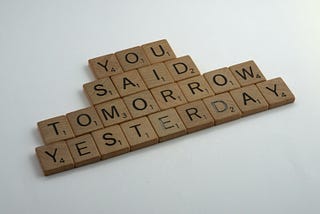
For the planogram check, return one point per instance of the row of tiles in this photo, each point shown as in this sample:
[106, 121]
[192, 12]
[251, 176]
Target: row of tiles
[161, 126]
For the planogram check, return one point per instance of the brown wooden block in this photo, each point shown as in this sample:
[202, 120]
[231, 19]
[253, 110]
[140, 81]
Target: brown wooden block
[54, 158]
[141, 104]
[195, 88]
[167, 124]
[111, 141]
[128, 83]
[249, 99]
[155, 75]
[247, 73]
[158, 51]
[132, 58]
[168, 96]
[55, 129]
[84, 121]
[182, 68]
[195, 116]
[100, 91]
[276, 92]
[83, 150]
[139, 133]
[222, 108]
[105, 66]
[113, 112]
[221, 80]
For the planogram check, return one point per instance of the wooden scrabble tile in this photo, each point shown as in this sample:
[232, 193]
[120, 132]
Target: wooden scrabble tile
[247, 73]
[195, 88]
[141, 104]
[167, 124]
[222, 108]
[182, 68]
[105, 66]
[276, 92]
[221, 80]
[155, 75]
[158, 51]
[113, 112]
[128, 83]
[195, 116]
[54, 158]
[83, 150]
[249, 99]
[111, 141]
[55, 129]
[100, 91]
[84, 121]
[168, 96]
[139, 133]
[132, 58]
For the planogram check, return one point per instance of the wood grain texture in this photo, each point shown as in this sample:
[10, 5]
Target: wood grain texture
[155, 75]
[158, 51]
[249, 100]
[105, 66]
[132, 58]
[55, 129]
[54, 158]
[139, 133]
[182, 68]
[111, 142]
[276, 92]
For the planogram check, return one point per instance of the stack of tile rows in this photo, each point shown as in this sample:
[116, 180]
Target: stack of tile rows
[145, 95]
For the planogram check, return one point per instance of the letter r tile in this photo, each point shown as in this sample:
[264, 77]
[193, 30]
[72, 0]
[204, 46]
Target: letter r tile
[167, 124]
[55, 129]
[222, 108]
[276, 92]
[54, 158]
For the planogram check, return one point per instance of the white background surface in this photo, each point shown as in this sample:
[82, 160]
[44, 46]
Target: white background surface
[265, 163]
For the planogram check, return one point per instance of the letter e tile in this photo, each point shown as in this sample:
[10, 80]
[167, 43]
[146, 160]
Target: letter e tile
[83, 150]
[167, 124]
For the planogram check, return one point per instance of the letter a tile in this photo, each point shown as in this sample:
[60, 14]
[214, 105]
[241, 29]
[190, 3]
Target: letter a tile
[54, 158]
[249, 99]
[276, 92]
